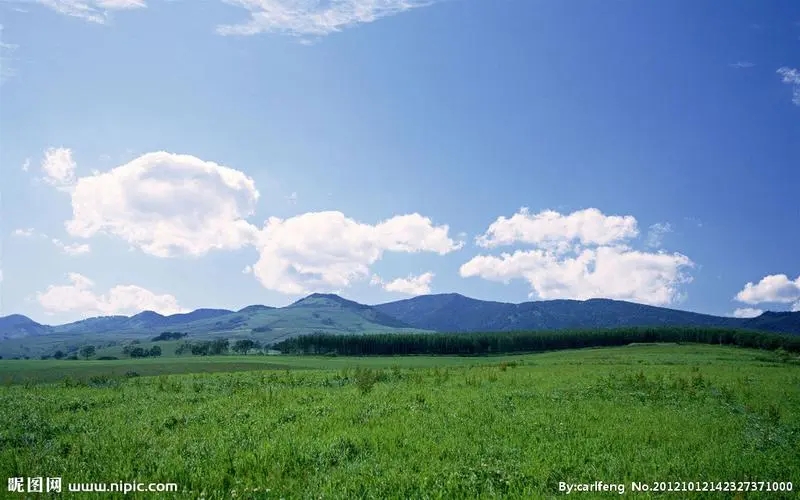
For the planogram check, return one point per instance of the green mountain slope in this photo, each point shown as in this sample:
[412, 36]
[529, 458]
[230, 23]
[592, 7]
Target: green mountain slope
[456, 313]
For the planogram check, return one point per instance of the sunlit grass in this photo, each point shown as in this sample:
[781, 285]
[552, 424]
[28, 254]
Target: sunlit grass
[510, 427]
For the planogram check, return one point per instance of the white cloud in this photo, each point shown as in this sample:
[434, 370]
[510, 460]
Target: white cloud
[326, 251]
[579, 256]
[26, 164]
[95, 11]
[588, 227]
[25, 233]
[72, 248]
[313, 17]
[796, 307]
[292, 198]
[247, 270]
[176, 205]
[166, 205]
[121, 299]
[609, 272]
[412, 285]
[791, 76]
[774, 288]
[655, 236]
[742, 65]
[59, 167]
[747, 312]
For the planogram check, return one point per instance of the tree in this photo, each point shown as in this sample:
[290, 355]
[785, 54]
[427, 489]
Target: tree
[183, 348]
[59, 354]
[200, 348]
[243, 345]
[219, 346]
[87, 351]
[169, 336]
[155, 351]
[139, 352]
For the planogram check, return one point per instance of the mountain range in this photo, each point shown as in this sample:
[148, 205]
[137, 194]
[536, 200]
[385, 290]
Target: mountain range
[333, 314]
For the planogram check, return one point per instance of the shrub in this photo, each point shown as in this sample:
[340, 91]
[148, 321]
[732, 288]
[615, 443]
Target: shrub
[365, 379]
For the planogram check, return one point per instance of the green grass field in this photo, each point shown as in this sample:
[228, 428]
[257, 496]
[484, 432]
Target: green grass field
[413, 427]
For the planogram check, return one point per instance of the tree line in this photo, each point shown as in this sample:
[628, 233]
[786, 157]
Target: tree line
[217, 347]
[508, 342]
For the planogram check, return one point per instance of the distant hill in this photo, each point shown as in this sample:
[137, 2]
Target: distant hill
[456, 313]
[321, 313]
[328, 313]
[145, 320]
[331, 302]
[254, 308]
[777, 322]
[18, 326]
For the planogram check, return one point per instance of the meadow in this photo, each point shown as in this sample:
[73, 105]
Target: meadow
[409, 427]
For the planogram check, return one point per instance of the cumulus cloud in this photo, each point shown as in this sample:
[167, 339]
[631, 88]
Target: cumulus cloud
[412, 285]
[747, 312]
[773, 288]
[95, 11]
[171, 205]
[656, 233]
[313, 17]
[59, 167]
[121, 299]
[589, 227]
[326, 251]
[579, 256]
[791, 76]
[166, 205]
[72, 248]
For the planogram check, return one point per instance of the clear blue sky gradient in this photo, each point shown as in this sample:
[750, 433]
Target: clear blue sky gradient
[463, 111]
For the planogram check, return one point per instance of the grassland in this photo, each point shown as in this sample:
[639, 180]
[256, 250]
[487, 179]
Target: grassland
[409, 427]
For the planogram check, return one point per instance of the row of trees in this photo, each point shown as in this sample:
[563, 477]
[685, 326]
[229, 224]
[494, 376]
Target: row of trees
[89, 351]
[507, 342]
[141, 352]
[217, 347]
[169, 336]
[200, 348]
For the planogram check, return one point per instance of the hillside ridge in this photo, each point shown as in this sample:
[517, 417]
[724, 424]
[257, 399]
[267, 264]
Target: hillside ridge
[452, 312]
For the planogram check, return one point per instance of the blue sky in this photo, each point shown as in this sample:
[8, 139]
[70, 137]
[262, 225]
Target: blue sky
[171, 155]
